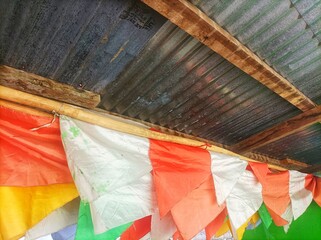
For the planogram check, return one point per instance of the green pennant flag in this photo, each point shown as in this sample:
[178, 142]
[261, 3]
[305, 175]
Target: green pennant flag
[85, 229]
[265, 216]
[307, 227]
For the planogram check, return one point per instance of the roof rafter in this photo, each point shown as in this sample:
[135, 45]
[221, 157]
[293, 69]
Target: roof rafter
[193, 21]
[281, 130]
[35, 84]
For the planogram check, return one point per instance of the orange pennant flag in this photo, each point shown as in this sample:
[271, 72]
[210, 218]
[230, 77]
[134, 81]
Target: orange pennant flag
[215, 225]
[275, 190]
[177, 170]
[31, 156]
[194, 212]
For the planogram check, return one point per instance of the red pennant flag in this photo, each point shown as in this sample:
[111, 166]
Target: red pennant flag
[138, 229]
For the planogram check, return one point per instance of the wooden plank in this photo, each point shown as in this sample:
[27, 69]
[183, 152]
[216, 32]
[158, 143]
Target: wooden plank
[35, 84]
[281, 130]
[102, 120]
[199, 25]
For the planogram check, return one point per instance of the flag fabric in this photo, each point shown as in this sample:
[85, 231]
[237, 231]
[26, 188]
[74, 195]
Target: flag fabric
[275, 191]
[244, 200]
[35, 181]
[198, 209]
[85, 228]
[226, 172]
[307, 227]
[300, 196]
[24, 207]
[57, 220]
[31, 157]
[162, 228]
[177, 170]
[313, 184]
[68, 233]
[111, 171]
[122, 179]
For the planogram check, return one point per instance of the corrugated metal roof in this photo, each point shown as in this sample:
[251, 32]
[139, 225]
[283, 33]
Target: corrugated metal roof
[84, 43]
[179, 83]
[303, 146]
[285, 34]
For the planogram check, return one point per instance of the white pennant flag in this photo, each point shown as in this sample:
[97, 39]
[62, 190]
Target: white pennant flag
[226, 171]
[300, 196]
[162, 229]
[244, 200]
[111, 171]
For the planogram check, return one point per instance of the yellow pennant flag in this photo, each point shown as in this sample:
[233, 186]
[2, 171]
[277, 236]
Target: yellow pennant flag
[23, 207]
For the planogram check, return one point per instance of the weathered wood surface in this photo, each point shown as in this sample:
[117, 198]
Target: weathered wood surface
[38, 85]
[102, 120]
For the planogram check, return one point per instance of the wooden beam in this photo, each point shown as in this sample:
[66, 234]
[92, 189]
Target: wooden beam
[102, 120]
[312, 169]
[290, 164]
[35, 84]
[281, 130]
[199, 25]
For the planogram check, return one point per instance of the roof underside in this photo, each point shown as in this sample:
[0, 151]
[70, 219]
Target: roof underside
[147, 68]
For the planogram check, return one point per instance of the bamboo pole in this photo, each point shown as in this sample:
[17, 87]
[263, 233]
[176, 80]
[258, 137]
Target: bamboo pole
[104, 121]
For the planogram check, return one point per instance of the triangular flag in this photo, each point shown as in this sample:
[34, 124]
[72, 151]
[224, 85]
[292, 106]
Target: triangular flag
[68, 233]
[177, 170]
[194, 212]
[23, 207]
[212, 228]
[137, 230]
[126, 204]
[85, 229]
[162, 228]
[244, 200]
[59, 219]
[226, 171]
[300, 196]
[275, 190]
[313, 184]
[31, 157]
[107, 159]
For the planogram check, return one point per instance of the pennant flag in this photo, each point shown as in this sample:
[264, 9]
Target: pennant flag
[300, 196]
[194, 212]
[226, 171]
[307, 227]
[55, 221]
[313, 184]
[275, 191]
[85, 228]
[138, 229]
[244, 200]
[23, 207]
[162, 228]
[127, 203]
[265, 216]
[111, 171]
[68, 233]
[107, 159]
[177, 170]
[215, 225]
[31, 157]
